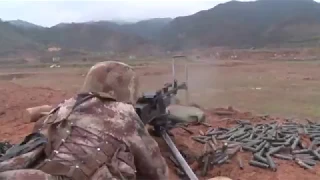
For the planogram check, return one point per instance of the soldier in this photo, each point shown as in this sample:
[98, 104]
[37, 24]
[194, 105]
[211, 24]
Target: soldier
[96, 135]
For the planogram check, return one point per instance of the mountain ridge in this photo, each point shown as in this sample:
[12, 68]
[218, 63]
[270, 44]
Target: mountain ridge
[23, 24]
[232, 24]
[237, 24]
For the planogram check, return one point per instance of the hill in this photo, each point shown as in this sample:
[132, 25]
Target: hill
[149, 29]
[246, 24]
[234, 24]
[12, 40]
[15, 38]
[24, 24]
[91, 36]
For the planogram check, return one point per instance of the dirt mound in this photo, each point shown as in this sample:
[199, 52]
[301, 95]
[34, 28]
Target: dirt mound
[14, 126]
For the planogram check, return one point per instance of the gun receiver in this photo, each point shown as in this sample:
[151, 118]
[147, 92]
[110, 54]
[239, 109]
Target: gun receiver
[153, 105]
[151, 108]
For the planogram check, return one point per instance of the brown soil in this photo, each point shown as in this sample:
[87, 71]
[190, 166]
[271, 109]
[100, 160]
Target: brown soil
[14, 99]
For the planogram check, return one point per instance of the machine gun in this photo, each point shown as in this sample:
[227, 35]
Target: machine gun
[152, 109]
[152, 106]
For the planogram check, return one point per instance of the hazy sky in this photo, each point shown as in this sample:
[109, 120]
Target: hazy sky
[49, 13]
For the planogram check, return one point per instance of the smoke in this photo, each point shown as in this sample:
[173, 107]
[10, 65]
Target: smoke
[201, 82]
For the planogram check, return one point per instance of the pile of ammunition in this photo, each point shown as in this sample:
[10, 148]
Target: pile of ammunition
[265, 141]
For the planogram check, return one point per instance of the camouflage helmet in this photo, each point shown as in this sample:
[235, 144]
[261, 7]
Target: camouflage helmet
[112, 79]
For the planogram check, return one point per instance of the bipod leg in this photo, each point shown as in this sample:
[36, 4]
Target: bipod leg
[182, 162]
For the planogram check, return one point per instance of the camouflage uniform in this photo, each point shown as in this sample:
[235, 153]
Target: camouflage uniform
[96, 135]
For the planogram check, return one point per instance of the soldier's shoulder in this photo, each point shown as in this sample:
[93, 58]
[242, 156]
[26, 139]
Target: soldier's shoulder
[126, 111]
[120, 106]
[66, 105]
[59, 111]
[121, 116]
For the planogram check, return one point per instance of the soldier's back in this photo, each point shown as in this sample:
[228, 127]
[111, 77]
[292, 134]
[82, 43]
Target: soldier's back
[90, 141]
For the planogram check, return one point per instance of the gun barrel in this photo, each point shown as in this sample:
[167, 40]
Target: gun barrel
[182, 162]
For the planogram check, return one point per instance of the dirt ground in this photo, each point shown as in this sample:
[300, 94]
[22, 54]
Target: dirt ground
[284, 88]
[280, 88]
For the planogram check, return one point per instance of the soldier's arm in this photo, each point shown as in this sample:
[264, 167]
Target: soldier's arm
[22, 161]
[148, 159]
